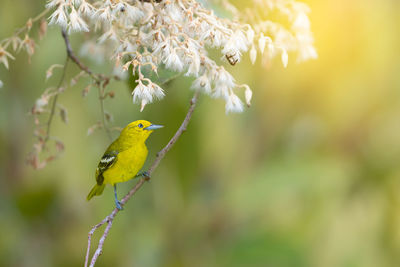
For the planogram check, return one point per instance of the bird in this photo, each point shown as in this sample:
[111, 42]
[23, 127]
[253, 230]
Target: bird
[124, 158]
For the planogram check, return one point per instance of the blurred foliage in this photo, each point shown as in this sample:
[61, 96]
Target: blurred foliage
[308, 176]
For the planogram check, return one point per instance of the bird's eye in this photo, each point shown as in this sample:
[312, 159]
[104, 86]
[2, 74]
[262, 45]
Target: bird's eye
[140, 125]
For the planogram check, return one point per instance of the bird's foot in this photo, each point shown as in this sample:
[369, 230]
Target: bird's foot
[145, 175]
[118, 205]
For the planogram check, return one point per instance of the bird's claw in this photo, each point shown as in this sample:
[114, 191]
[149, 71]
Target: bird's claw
[145, 175]
[118, 205]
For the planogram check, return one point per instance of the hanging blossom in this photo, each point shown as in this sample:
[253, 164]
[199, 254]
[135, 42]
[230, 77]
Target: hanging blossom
[176, 35]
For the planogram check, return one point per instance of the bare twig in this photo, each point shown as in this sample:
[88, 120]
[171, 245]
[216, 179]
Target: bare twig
[53, 107]
[103, 114]
[160, 155]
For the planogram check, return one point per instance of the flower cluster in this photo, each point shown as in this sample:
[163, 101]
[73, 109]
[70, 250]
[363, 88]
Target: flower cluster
[177, 34]
[290, 33]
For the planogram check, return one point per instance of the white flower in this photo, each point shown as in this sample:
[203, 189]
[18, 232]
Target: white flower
[248, 94]
[202, 83]
[253, 55]
[86, 9]
[284, 57]
[4, 55]
[301, 22]
[76, 2]
[194, 66]
[173, 62]
[224, 78]
[306, 53]
[54, 3]
[238, 41]
[250, 34]
[179, 34]
[173, 11]
[261, 43]
[157, 92]
[59, 17]
[271, 49]
[76, 22]
[221, 91]
[103, 14]
[145, 94]
[233, 104]
[142, 92]
[148, 11]
[134, 13]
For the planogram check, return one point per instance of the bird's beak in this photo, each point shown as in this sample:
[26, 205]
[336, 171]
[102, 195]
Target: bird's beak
[153, 127]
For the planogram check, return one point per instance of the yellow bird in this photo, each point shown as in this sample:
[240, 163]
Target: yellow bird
[123, 158]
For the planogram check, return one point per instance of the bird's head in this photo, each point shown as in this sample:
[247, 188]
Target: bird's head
[140, 129]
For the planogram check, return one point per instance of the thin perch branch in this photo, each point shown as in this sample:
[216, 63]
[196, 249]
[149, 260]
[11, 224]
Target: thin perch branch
[160, 155]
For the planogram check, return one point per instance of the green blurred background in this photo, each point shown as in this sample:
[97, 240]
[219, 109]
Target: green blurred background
[308, 176]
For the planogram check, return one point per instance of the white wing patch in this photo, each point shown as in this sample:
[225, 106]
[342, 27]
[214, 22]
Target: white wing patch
[107, 159]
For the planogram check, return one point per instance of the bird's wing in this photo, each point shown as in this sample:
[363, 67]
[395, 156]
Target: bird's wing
[107, 161]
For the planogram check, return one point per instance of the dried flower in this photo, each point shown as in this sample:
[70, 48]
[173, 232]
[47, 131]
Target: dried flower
[4, 56]
[42, 29]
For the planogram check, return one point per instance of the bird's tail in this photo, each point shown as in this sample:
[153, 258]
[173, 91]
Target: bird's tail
[97, 190]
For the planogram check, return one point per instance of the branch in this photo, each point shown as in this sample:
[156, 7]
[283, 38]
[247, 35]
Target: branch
[101, 80]
[103, 114]
[98, 77]
[53, 107]
[160, 155]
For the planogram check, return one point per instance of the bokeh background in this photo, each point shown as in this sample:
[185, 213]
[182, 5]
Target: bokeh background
[308, 176]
